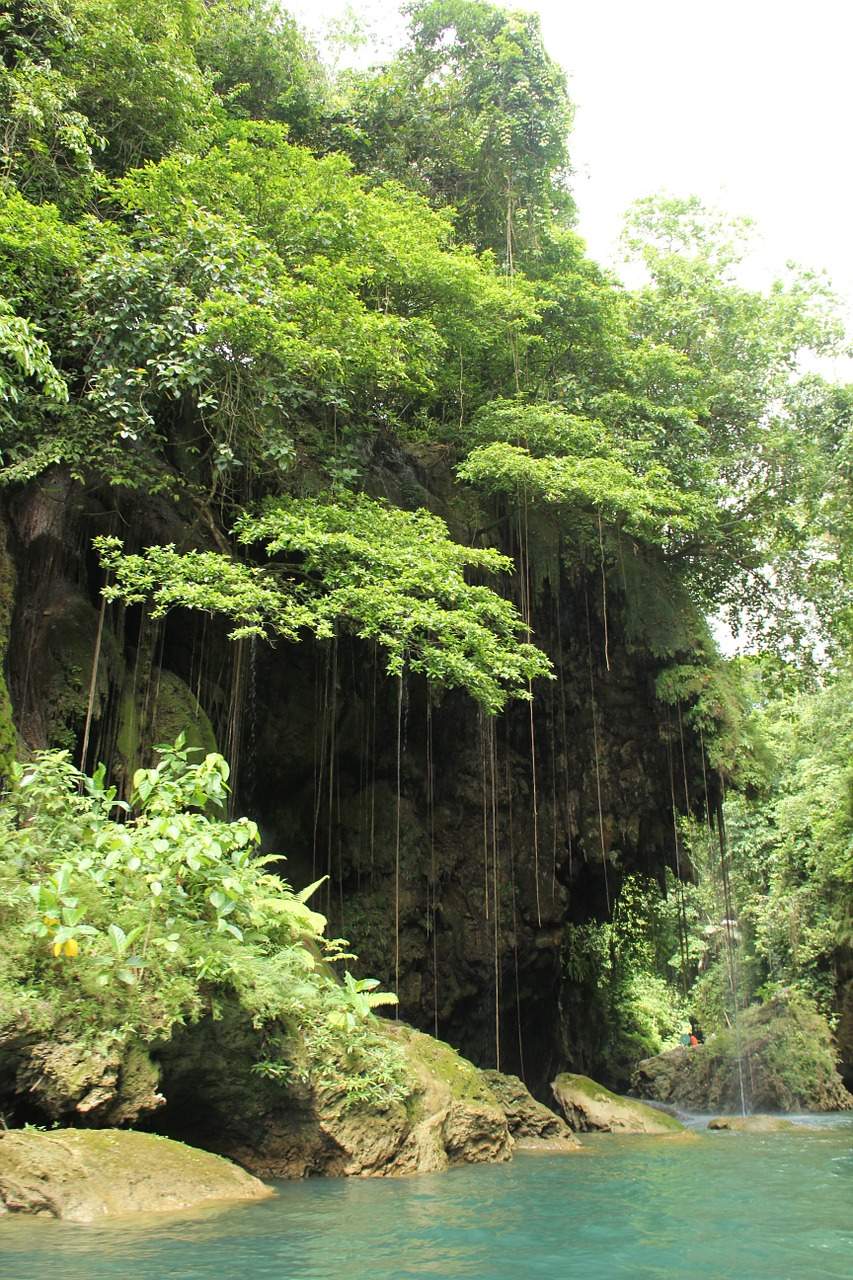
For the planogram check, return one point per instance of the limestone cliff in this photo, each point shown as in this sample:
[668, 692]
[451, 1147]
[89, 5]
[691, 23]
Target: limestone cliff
[457, 847]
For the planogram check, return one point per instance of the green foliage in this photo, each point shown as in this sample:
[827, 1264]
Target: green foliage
[740, 350]
[136, 79]
[474, 113]
[260, 65]
[648, 506]
[792, 845]
[390, 576]
[191, 303]
[630, 977]
[123, 918]
[771, 917]
[714, 702]
[24, 357]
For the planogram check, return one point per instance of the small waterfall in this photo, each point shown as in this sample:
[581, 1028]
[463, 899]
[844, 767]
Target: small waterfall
[250, 749]
[731, 937]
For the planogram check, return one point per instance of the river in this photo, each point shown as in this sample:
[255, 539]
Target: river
[717, 1206]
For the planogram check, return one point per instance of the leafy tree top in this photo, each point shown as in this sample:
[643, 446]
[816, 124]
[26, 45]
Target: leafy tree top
[387, 575]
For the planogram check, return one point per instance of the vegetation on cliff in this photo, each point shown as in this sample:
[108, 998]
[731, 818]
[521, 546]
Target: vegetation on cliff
[340, 331]
[114, 932]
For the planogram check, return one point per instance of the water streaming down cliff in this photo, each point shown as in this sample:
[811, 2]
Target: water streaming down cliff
[458, 849]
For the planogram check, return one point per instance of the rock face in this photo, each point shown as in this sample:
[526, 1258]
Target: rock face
[780, 1060]
[588, 1107]
[66, 1081]
[84, 1175]
[450, 1117]
[325, 758]
[533, 1126]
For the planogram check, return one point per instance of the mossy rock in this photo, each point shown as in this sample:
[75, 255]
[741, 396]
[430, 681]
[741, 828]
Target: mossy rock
[589, 1107]
[172, 709]
[290, 1131]
[465, 1082]
[70, 1080]
[529, 1121]
[87, 1174]
[751, 1124]
[781, 1059]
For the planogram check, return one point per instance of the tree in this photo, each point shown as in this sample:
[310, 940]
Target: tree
[740, 350]
[475, 114]
[387, 575]
[260, 64]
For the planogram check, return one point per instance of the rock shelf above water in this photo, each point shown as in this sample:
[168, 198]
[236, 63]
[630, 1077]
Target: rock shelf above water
[87, 1174]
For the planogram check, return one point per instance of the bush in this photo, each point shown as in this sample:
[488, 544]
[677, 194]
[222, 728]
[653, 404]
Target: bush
[119, 921]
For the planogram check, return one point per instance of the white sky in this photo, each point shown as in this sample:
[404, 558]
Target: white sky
[746, 103]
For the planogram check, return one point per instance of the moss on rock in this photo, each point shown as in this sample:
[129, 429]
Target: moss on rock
[84, 1175]
[780, 1059]
[170, 709]
[588, 1106]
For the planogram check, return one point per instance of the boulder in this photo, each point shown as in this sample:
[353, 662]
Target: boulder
[533, 1125]
[450, 1117]
[588, 1107]
[751, 1124]
[85, 1174]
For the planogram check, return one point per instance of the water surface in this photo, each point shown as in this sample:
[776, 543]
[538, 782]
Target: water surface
[720, 1206]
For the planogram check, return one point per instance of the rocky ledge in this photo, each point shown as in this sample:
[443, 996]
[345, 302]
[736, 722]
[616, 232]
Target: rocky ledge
[87, 1174]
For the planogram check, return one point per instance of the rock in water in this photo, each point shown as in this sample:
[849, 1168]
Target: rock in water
[87, 1174]
[751, 1124]
[533, 1125]
[588, 1106]
[781, 1058]
[449, 1117]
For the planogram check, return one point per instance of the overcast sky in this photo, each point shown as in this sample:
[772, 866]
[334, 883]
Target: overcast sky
[747, 103]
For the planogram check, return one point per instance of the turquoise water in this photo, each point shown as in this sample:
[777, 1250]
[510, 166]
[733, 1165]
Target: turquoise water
[722, 1206]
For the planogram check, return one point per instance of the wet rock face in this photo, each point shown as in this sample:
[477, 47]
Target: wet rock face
[457, 847]
[781, 1059]
[86, 1175]
[449, 868]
